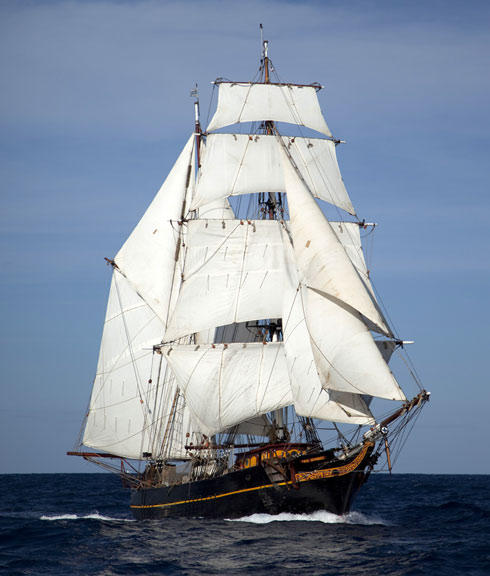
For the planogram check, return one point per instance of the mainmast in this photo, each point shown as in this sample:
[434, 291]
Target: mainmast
[279, 432]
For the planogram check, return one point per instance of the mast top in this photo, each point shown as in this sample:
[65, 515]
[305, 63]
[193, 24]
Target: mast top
[265, 56]
[194, 93]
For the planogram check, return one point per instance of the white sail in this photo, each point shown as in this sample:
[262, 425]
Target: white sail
[148, 256]
[346, 356]
[349, 235]
[172, 422]
[310, 397]
[279, 103]
[341, 354]
[225, 385]
[235, 164]
[322, 258]
[218, 209]
[233, 273]
[119, 416]
[132, 404]
[386, 348]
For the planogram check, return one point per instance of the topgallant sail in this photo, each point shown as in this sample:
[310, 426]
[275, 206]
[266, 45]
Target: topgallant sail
[236, 329]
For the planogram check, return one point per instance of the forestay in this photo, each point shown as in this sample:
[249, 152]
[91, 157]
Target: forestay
[233, 164]
[275, 102]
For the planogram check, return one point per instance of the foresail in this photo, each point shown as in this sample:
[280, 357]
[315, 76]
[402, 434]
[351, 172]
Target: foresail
[321, 257]
[233, 164]
[147, 258]
[225, 385]
[233, 273]
[276, 102]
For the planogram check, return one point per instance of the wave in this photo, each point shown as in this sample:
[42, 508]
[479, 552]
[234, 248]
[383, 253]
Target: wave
[94, 516]
[319, 516]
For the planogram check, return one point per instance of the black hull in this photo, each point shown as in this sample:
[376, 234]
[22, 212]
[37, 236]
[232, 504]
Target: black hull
[305, 487]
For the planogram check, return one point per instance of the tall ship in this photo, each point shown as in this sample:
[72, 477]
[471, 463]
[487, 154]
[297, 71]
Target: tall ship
[244, 359]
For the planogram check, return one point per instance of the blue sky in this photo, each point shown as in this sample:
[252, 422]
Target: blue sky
[94, 109]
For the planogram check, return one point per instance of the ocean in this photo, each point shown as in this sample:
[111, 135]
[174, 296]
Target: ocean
[404, 524]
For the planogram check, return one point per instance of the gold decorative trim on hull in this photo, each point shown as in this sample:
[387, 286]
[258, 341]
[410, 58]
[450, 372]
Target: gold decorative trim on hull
[300, 477]
[339, 471]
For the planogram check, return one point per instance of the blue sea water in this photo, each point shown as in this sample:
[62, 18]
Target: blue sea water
[74, 524]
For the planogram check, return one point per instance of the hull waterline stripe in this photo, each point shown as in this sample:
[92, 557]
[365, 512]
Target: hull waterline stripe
[302, 477]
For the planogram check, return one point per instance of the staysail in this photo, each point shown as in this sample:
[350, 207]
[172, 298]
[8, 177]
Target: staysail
[311, 397]
[334, 302]
[321, 256]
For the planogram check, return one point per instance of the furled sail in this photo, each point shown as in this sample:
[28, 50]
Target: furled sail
[122, 406]
[276, 102]
[233, 273]
[225, 385]
[148, 256]
[322, 258]
[235, 164]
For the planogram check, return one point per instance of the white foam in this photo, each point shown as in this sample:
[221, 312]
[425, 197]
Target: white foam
[319, 516]
[95, 516]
